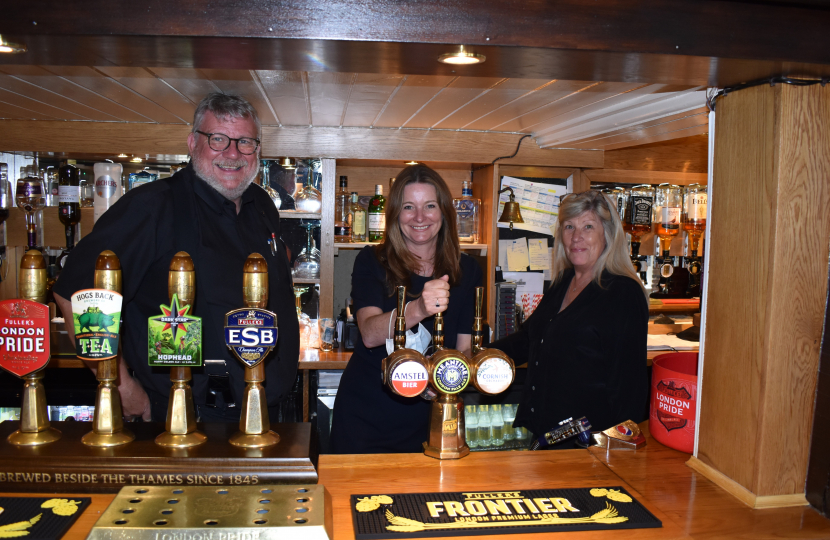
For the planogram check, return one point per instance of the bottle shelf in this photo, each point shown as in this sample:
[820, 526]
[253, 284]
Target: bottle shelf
[481, 248]
[294, 214]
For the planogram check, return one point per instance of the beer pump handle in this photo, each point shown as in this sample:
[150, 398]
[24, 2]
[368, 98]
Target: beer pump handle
[400, 322]
[478, 324]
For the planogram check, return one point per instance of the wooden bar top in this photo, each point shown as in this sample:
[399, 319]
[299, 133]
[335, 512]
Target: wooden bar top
[689, 505]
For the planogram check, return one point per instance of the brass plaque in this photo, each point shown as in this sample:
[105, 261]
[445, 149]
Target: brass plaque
[263, 512]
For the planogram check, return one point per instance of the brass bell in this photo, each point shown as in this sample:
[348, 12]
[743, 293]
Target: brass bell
[511, 213]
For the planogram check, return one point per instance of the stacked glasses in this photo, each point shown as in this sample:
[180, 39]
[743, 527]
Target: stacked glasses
[490, 427]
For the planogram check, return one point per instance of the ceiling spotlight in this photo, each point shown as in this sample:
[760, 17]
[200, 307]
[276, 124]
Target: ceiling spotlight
[411, 163]
[462, 57]
[136, 160]
[121, 155]
[10, 47]
[288, 163]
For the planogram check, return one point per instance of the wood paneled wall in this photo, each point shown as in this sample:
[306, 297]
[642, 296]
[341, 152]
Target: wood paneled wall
[767, 288]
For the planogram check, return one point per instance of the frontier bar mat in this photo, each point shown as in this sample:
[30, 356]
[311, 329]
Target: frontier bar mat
[419, 515]
[39, 518]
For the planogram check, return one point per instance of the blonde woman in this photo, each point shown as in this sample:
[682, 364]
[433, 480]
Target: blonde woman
[585, 344]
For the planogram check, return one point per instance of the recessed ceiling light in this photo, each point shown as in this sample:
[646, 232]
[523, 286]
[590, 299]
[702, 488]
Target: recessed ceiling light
[11, 48]
[122, 155]
[136, 160]
[462, 57]
[411, 163]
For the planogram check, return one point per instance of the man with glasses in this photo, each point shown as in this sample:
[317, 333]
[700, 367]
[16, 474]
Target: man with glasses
[211, 210]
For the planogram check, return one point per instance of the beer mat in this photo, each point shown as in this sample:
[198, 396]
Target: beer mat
[39, 518]
[425, 515]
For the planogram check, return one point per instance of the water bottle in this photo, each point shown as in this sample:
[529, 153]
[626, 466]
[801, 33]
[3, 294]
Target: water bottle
[496, 425]
[484, 439]
[107, 187]
[509, 414]
[471, 425]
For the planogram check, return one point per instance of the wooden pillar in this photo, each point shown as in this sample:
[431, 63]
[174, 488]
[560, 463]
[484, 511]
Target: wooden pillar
[768, 265]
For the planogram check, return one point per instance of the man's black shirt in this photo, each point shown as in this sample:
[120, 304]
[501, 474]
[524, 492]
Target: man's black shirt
[151, 223]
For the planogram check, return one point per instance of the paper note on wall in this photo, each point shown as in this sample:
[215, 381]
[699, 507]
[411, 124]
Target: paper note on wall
[539, 259]
[517, 257]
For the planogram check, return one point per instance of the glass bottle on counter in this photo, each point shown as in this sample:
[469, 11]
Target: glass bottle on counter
[377, 215]
[358, 214]
[69, 206]
[342, 213]
[467, 213]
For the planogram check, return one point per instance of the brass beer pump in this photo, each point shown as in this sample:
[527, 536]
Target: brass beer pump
[449, 374]
[405, 370]
[254, 424]
[108, 422]
[491, 371]
[180, 424]
[34, 429]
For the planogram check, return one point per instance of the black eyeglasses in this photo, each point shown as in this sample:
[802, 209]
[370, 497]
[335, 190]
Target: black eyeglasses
[219, 142]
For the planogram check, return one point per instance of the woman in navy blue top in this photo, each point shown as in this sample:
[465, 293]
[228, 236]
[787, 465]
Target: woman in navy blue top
[421, 252]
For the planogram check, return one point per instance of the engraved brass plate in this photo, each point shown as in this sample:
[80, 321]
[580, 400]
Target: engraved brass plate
[264, 512]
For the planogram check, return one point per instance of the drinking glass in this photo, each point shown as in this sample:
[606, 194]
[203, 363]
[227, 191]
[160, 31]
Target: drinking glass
[471, 425]
[326, 327]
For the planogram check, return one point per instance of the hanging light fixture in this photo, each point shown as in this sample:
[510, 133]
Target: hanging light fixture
[288, 163]
[462, 57]
[511, 213]
[10, 47]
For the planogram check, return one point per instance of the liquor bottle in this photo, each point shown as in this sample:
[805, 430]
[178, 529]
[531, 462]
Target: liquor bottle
[342, 214]
[50, 184]
[5, 192]
[30, 199]
[639, 203]
[467, 212]
[377, 216]
[107, 187]
[695, 200]
[69, 207]
[358, 214]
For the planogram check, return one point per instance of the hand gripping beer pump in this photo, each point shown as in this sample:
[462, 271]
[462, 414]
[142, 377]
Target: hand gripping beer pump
[180, 424]
[29, 317]
[108, 422]
[405, 370]
[251, 334]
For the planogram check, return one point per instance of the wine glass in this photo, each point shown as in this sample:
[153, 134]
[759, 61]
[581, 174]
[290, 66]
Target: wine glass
[308, 199]
[307, 264]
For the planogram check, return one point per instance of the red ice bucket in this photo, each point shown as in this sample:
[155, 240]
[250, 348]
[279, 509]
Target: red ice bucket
[674, 400]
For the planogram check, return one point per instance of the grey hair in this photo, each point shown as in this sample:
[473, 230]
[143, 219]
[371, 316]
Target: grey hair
[223, 106]
[614, 257]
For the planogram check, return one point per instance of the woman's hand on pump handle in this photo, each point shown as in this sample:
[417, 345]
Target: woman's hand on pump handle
[435, 297]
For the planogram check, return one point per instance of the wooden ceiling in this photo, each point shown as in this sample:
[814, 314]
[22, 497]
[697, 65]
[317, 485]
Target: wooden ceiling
[557, 113]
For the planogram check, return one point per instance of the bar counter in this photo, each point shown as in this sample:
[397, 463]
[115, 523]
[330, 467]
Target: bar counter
[689, 505]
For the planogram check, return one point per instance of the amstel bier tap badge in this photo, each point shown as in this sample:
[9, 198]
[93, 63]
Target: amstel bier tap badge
[174, 337]
[250, 334]
[96, 314]
[24, 336]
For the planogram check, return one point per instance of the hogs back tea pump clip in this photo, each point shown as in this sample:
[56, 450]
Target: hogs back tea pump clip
[24, 350]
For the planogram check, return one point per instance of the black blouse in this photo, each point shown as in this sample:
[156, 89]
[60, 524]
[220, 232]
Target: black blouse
[587, 360]
[368, 417]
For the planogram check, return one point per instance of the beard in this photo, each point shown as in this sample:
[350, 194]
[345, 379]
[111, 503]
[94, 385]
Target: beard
[207, 174]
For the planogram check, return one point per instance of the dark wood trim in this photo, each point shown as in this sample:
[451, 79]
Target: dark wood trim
[669, 41]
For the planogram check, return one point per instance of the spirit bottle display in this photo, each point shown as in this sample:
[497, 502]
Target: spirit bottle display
[467, 213]
[107, 187]
[263, 180]
[307, 264]
[695, 200]
[342, 214]
[359, 221]
[377, 215]
[69, 206]
[667, 206]
[30, 199]
[639, 201]
[5, 204]
[50, 186]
